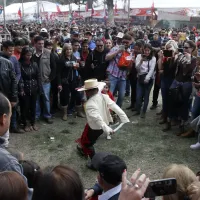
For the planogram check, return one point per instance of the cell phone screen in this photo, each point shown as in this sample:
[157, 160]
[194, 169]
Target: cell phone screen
[161, 187]
[167, 53]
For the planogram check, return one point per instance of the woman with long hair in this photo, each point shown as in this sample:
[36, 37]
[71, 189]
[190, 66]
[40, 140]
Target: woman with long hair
[181, 88]
[68, 81]
[29, 87]
[145, 66]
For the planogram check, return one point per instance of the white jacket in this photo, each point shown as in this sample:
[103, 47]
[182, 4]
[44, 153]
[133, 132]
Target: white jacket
[98, 113]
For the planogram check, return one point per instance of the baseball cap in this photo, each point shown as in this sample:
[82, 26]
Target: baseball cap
[120, 35]
[110, 167]
[43, 30]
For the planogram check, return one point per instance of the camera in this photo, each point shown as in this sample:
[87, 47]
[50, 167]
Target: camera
[69, 63]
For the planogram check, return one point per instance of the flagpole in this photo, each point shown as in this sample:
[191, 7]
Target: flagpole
[22, 10]
[129, 3]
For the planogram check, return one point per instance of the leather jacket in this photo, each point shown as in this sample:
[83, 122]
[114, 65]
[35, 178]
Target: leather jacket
[30, 82]
[8, 82]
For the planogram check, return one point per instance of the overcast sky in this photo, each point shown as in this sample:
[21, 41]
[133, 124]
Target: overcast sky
[161, 3]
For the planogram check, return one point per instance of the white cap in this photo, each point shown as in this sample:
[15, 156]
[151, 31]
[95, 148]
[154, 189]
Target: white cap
[44, 30]
[120, 35]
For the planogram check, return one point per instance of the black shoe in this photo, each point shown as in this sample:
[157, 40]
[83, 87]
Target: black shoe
[136, 113]
[127, 94]
[168, 127]
[17, 130]
[49, 121]
[130, 107]
[153, 107]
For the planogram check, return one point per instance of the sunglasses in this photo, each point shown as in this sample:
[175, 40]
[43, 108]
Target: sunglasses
[174, 35]
[124, 42]
[186, 47]
[99, 45]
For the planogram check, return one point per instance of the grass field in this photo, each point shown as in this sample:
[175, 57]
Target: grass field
[141, 145]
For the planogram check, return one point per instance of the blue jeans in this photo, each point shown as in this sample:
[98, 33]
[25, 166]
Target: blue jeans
[165, 85]
[143, 92]
[120, 84]
[13, 122]
[45, 102]
[183, 111]
[196, 107]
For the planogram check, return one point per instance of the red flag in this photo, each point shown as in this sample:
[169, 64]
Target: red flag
[115, 7]
[20, 13]
[58, 8]
[86, 7]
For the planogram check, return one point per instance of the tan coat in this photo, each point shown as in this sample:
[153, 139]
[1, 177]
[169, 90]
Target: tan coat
[98, 113]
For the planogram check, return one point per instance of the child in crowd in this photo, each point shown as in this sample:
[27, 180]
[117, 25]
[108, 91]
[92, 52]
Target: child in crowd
[106, 90]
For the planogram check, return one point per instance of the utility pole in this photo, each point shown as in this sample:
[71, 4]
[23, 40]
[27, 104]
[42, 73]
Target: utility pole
[4, 14]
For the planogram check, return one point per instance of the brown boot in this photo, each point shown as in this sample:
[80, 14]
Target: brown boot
[80, 111]
[164, 119]
[167, 127]
[64, 118]
[182, 130]
[190, 133]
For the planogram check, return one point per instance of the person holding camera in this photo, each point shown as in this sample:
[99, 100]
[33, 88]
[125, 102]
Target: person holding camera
[68, 81]
[167, 73]
[181, 88]
[145, 65]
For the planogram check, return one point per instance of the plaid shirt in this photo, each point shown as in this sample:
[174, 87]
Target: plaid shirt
[113, 69]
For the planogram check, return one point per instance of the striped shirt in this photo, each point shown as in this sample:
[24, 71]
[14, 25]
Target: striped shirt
[113, 69]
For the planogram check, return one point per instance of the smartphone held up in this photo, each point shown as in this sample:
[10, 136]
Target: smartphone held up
[161, 187]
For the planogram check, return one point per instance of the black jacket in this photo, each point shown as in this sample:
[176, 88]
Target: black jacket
[66, 72]
[100, 65]
[8, 82]
[30, 82]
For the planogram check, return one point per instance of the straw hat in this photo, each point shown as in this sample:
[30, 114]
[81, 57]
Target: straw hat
[91, 84]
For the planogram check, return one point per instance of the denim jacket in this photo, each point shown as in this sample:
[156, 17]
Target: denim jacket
[10, 163]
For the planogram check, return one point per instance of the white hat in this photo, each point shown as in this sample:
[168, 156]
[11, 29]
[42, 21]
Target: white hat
[44, 30]
[91, 84]
[120, 35]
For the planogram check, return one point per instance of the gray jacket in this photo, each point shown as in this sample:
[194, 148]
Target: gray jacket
[10, 163]
[47, 66]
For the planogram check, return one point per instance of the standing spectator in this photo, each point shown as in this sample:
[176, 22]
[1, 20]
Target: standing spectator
[146, 40]
[32, 37]
[109, 44]
[84, 53]
[8, 50]
[138, 49]
[7, 161]
[29, 87]
[116, 76]
[167, 68]
[68, 81]
[145, 65]
[96, 64]
[91, 43]
[186, 63]
[46, 63]
[8, 86]
[54, 83]
[19, 43]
